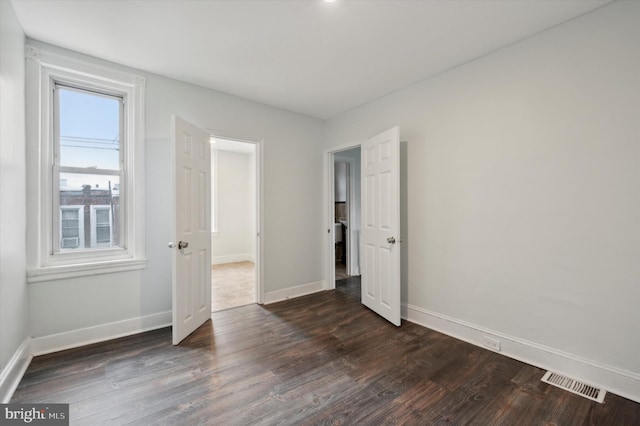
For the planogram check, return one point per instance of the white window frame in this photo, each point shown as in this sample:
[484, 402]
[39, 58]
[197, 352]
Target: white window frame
[44, 69]
[80, 210]
[94, 225]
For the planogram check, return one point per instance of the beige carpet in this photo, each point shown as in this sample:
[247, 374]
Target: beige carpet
[232, 284]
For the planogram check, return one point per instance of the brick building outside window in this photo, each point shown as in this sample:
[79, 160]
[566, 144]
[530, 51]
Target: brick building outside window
[89, 216]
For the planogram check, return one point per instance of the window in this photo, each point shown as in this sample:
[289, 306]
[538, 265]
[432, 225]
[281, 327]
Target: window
[85, 154]
[88, 166]
[71, 227]
[101, 226]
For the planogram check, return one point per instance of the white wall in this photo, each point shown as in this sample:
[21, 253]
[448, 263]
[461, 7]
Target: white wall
[235, 240]
[13, 289]
[523, 177]
[292, 159]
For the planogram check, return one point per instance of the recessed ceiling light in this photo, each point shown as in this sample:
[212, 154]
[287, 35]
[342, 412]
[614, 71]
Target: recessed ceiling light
[329, 1]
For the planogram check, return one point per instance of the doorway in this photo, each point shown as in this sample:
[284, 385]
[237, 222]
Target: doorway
[377, 236]
[234, 223]
[346, 213]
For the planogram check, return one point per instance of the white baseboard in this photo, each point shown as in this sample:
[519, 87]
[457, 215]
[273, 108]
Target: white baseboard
[291, 292]
[85, 336]
[14, 370]
[612, 379]
[246, 257]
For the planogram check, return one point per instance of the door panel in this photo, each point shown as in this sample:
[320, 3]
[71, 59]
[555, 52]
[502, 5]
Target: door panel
[192, 212]
[381, 224]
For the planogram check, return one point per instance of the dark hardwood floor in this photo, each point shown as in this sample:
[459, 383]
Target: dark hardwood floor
[318, 359]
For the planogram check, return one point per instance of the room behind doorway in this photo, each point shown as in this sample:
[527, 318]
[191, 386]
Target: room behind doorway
[346, 216]
[233, 237]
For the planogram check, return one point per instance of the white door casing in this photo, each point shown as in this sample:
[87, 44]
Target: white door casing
[380, 235]
[192, 216]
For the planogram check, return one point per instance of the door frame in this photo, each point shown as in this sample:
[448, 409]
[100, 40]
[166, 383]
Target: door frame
[259, 185]
[329, 210]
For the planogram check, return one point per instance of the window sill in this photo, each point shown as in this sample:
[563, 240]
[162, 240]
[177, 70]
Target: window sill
[55, 273]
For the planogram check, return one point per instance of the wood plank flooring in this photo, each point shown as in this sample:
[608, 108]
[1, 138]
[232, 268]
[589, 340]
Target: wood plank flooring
[321, 359]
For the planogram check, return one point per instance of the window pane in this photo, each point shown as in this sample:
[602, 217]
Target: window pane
[70, 229]
[69, 223]
[70, 215]
[103, 234]
[78, 185]
[89, 126]
[88, 193]
[102, 216]
[103, 226]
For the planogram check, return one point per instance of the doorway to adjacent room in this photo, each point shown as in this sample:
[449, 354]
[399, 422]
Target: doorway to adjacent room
[234, 183]
[346, 213]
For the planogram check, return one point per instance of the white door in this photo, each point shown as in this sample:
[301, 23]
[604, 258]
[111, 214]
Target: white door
[380, 233]
[191, 245]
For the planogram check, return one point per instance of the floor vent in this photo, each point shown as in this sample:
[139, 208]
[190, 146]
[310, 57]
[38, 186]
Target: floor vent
[591, 392]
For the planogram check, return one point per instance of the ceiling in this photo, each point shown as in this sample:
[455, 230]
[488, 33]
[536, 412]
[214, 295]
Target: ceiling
[306, 56]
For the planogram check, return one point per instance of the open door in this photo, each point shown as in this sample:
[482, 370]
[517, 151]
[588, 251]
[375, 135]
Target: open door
[191, 245]
[380, 233]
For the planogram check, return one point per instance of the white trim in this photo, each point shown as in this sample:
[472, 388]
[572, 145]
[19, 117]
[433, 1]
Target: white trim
[14, 370]
[43, 68]
[55, 273]
[330, 251]
[615, 380]
[100, 333]
[345, 146]
[353, 255]
[64, 62]
[245, 257]
[292, 292]
[259, 254]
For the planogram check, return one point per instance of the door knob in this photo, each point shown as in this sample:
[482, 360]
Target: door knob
[171, 244]
[182, 245]
[391, 240]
